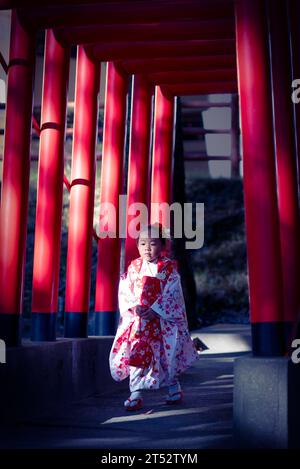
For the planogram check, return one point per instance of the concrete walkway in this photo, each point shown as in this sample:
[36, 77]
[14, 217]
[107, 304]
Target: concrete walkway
[203, 420]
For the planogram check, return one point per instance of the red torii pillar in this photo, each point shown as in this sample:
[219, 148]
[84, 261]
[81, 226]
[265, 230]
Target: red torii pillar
[81, 213]
[294, 12]
[162, 159]
[50, 190]
[108, 267]
[138, 188]
[286, 162]
[15, 182]
[261, 210]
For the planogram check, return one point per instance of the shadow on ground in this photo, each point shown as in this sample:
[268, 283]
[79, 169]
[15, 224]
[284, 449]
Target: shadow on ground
[203, 420]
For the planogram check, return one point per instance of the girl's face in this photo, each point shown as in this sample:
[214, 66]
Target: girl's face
[149, 248]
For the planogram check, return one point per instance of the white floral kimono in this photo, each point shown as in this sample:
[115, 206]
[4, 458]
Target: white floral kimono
[173, 350]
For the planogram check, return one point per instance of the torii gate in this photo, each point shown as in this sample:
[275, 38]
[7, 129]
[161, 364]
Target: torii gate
[171, 48]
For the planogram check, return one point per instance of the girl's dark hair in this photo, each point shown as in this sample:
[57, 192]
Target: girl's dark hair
[157, 228]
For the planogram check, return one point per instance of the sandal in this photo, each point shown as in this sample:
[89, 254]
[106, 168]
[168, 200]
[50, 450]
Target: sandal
[138, 403]
[174, 398]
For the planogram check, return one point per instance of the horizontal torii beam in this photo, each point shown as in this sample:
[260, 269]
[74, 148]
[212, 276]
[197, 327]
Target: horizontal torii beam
[202, 76]
[59, 16]
[186, 89]
[162, 49]
[148, 32]
[9, 4]
[213, 62]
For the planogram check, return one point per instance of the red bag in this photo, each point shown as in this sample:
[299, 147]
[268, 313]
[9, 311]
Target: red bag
[151, 290]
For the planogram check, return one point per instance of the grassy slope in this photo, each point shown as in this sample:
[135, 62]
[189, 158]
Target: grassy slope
[220, 266]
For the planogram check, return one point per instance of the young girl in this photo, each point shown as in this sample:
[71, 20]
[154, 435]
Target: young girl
[152, 344]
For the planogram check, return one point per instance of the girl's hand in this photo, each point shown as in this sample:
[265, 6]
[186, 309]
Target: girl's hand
[149, 315]
[139, 310]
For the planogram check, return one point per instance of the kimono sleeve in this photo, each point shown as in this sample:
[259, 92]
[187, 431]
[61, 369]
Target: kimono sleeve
[125, 296]
[170, 304]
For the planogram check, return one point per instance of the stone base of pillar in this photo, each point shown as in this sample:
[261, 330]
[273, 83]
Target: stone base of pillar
[10, 326]
[266, 404]
[39, 378]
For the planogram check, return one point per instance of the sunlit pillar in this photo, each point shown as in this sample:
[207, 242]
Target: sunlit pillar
[15, 180]
[108, 267]
[50, 190]
[138, 187]
[81, 213]
[162, 158]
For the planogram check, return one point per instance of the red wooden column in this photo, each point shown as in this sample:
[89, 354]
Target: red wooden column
[261, 210]
[81, 213]
[15, 181]
[294, 12]
[286, 161]
[108, 268]
[162, 159]
[138, 188]
[49, 192]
